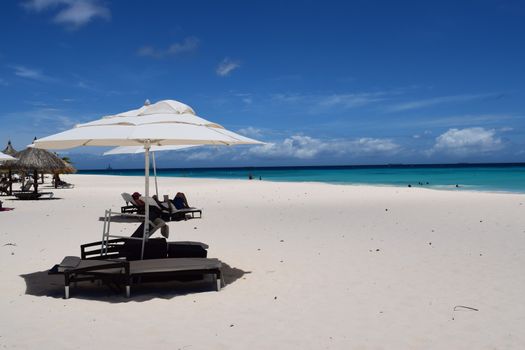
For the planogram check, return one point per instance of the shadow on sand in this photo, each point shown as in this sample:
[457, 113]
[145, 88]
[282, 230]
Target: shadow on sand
[41, 284]
[34, 199]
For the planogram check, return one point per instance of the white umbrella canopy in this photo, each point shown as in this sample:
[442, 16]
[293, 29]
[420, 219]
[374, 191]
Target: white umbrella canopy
[166, 122]
[139, 149]
[4, 157]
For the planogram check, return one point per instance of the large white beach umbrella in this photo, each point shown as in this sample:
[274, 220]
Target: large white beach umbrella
[4, 157]
[153, 149]
[166, 122]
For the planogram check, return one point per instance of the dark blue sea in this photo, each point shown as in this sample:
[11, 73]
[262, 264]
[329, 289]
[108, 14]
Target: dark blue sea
[477, 177]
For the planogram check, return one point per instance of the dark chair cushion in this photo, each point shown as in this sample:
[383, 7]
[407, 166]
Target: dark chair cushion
[155, 248]
[186, 250]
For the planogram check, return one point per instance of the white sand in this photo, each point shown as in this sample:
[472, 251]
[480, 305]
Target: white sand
[329, 267]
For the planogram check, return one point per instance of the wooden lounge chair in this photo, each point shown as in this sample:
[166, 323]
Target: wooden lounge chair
[120, 272]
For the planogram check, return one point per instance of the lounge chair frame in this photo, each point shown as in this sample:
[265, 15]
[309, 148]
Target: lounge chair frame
[123, 272]
[113, 249]
[32, 195]
[167, 208]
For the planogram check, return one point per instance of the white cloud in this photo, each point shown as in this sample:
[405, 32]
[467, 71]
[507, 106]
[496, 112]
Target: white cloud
[424, 134]
[226, 67]
[200, 155]
[29, 73]
[351, 100]
[371, 145]
[251, 132]
[209, 153]
[297, 147]
[405, 106]
[189, 44]
[306, 147]
[74, 13]
[467, 141]
[324, 102]
[246, 98]
[40, 5]
[43, 120]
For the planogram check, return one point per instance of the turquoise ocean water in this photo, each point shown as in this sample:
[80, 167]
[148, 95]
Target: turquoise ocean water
[477, 177]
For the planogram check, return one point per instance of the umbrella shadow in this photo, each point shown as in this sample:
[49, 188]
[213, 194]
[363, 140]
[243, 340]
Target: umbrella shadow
[41, 284]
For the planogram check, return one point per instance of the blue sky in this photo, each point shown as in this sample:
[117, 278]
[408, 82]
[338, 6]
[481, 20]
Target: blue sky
[323, 82]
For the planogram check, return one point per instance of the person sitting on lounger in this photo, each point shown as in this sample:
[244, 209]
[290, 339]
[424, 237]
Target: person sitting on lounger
[4, 186]
[178, 208]
[154, 212]
[180, 201]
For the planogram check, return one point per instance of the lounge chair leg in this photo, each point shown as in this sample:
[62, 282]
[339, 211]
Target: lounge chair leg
[128, 291]
[218, 283]
[66, 292]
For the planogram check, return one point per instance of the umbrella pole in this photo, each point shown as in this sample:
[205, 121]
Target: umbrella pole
[146, 212]
[155, 173]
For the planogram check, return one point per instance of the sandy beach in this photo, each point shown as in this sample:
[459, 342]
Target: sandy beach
[322, 267]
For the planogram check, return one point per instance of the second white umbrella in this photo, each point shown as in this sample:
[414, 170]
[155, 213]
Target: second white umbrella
[166, 122]
[153, 149]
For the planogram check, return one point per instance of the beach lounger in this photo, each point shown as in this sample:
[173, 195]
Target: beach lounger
[63, 184]
[185, 214]
[4, 188]
[121, 272]
[155, 248]
[169, 212]
[131, 206]
[26, 187]
[32, 195]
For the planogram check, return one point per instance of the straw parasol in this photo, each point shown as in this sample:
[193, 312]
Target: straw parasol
[9, 165]
[37, 160]
[9, 150]
[5, 157]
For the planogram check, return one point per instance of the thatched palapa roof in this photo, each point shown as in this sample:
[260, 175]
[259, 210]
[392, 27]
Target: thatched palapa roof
[9, 164]
[9, 149]
[42, 161]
